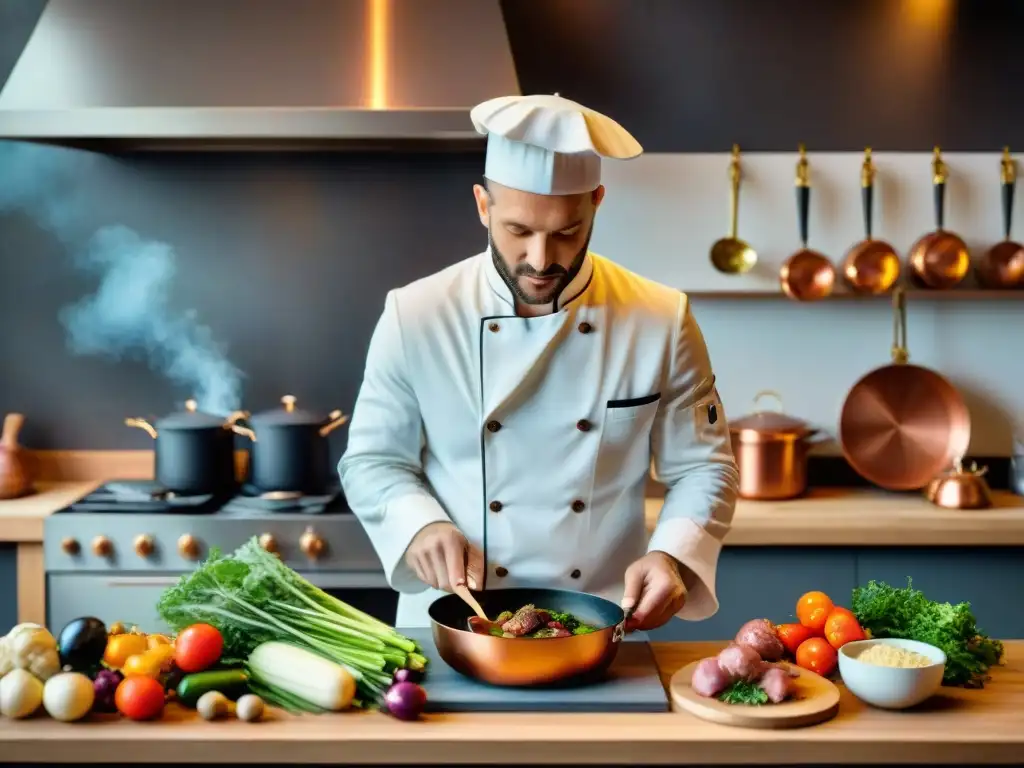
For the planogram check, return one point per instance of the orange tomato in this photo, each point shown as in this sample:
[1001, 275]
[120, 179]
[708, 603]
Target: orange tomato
[818, 656]
[792, 635]
[139, 698]
[812, 609]
[842, 627]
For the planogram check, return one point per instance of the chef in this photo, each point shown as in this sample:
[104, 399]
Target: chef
[514, 403]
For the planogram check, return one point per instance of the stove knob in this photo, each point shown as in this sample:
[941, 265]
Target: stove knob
[70, 546]
[311, 544]
[102, 546]
[268, 542]
[144, 545]
[188, 546]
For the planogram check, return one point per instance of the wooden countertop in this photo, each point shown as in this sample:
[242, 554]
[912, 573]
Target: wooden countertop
[825, 517]
[865, 517]
[21, 520]
[957, 726]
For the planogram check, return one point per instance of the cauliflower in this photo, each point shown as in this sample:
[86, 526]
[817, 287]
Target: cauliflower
[32, 648]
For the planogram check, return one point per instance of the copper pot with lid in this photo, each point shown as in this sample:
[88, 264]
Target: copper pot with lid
[960, 488]
[771, 451]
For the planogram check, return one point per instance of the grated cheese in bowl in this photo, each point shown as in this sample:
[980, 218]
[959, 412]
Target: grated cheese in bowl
[884, 655]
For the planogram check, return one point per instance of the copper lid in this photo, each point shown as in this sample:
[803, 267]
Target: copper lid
[769, 425]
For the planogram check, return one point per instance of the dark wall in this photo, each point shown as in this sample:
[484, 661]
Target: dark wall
[286, 258]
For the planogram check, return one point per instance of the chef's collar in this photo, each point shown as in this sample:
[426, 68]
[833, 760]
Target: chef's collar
[572, 291]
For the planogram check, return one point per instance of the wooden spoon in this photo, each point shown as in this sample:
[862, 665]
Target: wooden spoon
[479, 623]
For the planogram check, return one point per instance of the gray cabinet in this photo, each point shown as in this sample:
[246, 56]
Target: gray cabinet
[8, 587]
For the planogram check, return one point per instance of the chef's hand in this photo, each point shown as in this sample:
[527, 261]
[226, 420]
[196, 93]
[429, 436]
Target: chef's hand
[442, 557]
[654, 584]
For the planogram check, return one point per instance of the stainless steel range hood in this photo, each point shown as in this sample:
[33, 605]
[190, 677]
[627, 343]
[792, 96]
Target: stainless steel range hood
[257, 74]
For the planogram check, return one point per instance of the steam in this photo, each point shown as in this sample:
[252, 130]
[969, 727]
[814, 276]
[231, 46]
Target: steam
[129, 316]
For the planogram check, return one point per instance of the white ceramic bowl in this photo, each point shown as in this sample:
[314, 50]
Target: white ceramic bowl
[891, 687]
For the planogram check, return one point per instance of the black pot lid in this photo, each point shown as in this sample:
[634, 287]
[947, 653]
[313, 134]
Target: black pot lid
[190, 418]
[288, 414]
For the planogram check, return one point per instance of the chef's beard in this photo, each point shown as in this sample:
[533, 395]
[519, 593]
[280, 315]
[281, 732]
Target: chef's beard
[567, 275]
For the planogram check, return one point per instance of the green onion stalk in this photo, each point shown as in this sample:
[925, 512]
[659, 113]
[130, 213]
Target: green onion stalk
[252, 597]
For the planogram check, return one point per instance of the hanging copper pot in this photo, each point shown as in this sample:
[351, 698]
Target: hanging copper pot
[939, 259]
[871, 266]
[806, 275]
[1003, 265]
[901, 424]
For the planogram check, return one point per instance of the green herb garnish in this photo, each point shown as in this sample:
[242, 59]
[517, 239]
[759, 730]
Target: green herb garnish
[742, 692]
[887, 611]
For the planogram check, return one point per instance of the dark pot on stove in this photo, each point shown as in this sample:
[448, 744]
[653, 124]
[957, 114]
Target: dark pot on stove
[290, 450]
[195, 451]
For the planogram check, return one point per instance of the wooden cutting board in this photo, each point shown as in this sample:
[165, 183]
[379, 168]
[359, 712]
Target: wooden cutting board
[814, 700]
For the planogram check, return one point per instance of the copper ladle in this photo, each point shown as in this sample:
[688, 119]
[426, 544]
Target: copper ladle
[871, 266]
[806, 275]
[939, 259]
[730, 254]
[1003, 265]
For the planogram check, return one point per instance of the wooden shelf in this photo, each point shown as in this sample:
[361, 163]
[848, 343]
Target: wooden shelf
[921, 294]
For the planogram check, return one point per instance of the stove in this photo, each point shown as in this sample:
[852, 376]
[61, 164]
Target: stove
[111, 553]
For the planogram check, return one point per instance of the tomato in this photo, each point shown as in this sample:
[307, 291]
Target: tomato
[792, 635]
[812, 609]
[817, 655]
[164, 656]
[152, 641]
[841, 628]
[198, 647]
[139, 698]
[121, 647]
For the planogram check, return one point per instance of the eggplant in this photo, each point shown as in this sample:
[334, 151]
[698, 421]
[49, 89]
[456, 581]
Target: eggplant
[82, 643]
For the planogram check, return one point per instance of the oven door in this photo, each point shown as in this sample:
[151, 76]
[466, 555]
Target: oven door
[133, 599]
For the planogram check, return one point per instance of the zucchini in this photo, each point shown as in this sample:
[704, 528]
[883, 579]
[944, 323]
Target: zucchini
[231, 682]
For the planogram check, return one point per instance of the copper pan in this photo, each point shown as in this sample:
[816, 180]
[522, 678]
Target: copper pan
[939, 259]
[1003, 265]
[871, 266]
[806, 275]
[901, 424]
[520, 662]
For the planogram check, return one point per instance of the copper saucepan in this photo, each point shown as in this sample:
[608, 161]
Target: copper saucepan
[806, 275]
[939, 259]
[1003, 265]
[520, 661]
[871, 266]
[901, 424]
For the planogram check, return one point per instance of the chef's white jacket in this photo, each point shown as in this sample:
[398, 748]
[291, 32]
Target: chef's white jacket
[535, 436]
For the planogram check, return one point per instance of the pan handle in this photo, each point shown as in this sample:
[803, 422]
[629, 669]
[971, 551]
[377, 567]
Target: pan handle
[620, 629]
[939, 176]
[1008, 176]
[867, 191]
[900, 353]
[734, 192]
[803, 194]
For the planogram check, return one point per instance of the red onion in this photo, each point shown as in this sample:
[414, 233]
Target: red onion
[405, 700]
[760, 635]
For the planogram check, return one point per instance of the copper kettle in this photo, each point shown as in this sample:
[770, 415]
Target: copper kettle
[960, 488]
[15, 479]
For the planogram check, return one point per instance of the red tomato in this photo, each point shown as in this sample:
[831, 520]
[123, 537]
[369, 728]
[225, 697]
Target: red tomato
[812, 609]
[818, 656]
[841, 628]
[139, 698]
[792, 635]
[198, 647]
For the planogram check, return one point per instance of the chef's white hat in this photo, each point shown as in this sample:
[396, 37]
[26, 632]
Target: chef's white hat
[548, 145]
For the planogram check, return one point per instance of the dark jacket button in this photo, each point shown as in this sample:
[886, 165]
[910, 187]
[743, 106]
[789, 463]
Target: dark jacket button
[576, 574]
[583, 425]
[585, 327]
[493, 426]
[494, 327]
[578, 506]
[500, 572]
[496, 506]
